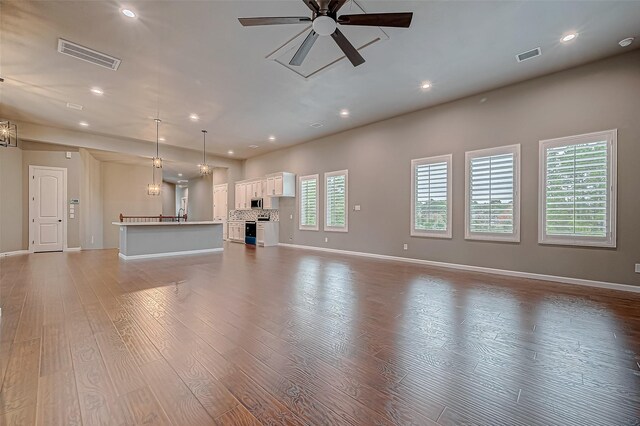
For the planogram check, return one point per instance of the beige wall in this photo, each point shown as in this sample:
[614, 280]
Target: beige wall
[168, 194]
[53, 158]
[599, 96]
[124, 190]
[91, 227]
[201, 198]
[11, 203]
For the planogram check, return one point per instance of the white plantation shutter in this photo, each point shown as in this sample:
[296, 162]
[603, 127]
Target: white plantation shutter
[309, 202]
[336, 201]
[431, 187]
[577, 190]
[492, 194]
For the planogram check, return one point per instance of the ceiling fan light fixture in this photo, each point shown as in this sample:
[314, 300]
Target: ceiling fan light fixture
[324, 25]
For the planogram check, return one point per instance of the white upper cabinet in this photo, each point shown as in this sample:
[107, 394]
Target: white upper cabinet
[240, 196]
[281, 185]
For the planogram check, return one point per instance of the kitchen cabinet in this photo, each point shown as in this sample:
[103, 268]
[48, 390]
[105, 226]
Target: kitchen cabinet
[267, 233]
[281, 184]
[240, 196]
[236, 232]
[256, 189]
[270, 203]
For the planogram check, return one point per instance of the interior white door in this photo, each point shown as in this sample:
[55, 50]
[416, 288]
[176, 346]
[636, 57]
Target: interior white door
[220, 206]
[47, 191]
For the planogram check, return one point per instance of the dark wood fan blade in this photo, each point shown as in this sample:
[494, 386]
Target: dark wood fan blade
[335, 5]
[400, 20]
[313, 5]
[250, 22]
[349, 50]
[304, 49]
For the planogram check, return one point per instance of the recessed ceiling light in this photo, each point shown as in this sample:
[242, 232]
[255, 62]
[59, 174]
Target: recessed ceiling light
[344, 113]
[97, 91]
[272, 138]
[179, 174]
[84, 124]
[568, 37]
[626, 42]
[425, 85]
[128, 13]
[194, 117]
[253, 146]
[230, 152]
[161, 139]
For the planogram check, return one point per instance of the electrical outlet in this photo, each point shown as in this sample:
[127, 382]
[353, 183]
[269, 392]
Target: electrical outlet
[92, 239]
[326, 239]
[291, 216]
[406, 247]
[356, 207]
[637, 268]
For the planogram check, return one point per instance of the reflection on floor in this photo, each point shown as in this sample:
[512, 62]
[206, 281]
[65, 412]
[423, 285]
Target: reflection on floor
[283, 336]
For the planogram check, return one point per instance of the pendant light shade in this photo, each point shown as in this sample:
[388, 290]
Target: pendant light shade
[205, 169]
[8, 133]
[157, 161]
[154, 188]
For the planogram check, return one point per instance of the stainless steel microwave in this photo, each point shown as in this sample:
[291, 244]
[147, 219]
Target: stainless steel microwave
[256, 203]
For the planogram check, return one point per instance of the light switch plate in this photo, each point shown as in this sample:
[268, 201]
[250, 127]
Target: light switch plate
[71, 216]
[326, 239]
[356, 207]
[637, 268]
[406, 247]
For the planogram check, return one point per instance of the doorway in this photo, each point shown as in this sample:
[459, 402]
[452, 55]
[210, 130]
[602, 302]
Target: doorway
[47, 209]
[220, 206]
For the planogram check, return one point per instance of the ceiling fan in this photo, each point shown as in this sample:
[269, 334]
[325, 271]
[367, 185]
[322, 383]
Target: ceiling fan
[325, 22]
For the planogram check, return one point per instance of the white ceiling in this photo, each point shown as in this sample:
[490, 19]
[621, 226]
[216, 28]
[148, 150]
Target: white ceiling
[170, 169]
[182, 57]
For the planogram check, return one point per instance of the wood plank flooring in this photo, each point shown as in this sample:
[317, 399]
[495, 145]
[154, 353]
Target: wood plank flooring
[280, 336]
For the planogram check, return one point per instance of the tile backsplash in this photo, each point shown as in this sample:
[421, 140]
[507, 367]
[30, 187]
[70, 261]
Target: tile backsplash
[253, 214]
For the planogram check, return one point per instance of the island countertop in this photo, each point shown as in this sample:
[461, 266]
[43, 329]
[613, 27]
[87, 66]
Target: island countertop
[140, 240]
[203, 222]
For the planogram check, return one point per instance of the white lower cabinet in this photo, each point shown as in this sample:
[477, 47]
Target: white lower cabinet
[236, 232]
[268, 233]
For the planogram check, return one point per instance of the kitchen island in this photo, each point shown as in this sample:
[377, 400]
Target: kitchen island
[142, 240]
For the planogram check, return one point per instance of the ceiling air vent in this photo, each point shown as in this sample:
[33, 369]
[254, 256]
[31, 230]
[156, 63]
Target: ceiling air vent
[528, 54]
[88, 55]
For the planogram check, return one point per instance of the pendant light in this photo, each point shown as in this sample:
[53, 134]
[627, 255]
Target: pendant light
[205, 169]
[154, 188]
[157, 161]
[8, 134]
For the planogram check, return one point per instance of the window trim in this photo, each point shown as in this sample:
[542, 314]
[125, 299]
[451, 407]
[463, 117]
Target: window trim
[487, 236]
[611, 136]
[448, 159]
[346, 201]
[302, 227]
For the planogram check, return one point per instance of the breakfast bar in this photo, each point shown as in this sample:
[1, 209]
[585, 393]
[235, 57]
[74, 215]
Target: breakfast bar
[141, 240]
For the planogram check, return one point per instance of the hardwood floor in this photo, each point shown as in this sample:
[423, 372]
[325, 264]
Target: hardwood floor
[282, 336]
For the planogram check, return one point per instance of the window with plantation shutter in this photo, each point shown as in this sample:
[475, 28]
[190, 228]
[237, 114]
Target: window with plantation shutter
[308, 199]
[431, 197]
[577, 190]
[492, 194]
[336, 201]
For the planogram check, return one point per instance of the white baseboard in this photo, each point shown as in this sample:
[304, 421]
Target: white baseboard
[14, 253]
[73, 249]
[169, 254]
[482, 269]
